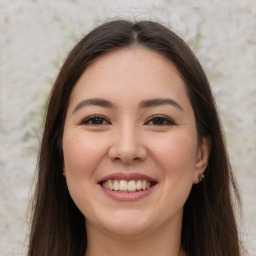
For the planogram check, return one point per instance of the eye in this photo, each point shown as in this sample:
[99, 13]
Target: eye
[95, 120]
[160, 121]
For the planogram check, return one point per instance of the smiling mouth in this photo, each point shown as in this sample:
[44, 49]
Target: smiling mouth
[125, 186]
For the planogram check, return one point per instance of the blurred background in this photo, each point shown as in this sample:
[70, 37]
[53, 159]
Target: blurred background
[35, 37]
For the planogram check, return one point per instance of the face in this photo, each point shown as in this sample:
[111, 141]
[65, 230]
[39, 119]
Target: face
[131, 151]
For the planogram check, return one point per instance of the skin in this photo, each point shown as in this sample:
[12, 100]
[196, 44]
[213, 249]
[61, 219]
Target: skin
[128, 138]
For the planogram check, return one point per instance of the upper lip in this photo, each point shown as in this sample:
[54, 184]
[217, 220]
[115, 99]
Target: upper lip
[127, 177]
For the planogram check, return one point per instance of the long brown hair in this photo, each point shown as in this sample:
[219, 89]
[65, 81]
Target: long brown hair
[209, 227]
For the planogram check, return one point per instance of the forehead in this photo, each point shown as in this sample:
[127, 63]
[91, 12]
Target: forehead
[130, 73]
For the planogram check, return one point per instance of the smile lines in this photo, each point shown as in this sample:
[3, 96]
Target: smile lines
[127, 186]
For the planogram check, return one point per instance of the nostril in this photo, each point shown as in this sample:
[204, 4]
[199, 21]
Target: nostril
[127, 151]
[126, 160]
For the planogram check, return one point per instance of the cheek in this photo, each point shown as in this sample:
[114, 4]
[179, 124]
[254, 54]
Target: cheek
[178, 165]
[177, 153]
[81, 154]
[177, 159]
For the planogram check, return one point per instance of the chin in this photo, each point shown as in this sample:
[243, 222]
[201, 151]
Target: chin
[127, 231]
[127, 224]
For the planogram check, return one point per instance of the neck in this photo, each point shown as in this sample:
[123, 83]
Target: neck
[164, 242]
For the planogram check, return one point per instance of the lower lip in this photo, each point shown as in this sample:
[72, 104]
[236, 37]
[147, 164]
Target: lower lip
[132, 196]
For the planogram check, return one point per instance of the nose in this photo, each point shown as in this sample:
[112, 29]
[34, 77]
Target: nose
[127, 146]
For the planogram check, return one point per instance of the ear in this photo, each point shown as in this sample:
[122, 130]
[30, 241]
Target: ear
[203, 154]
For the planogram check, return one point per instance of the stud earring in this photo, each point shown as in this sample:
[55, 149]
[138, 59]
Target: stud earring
[201, 177]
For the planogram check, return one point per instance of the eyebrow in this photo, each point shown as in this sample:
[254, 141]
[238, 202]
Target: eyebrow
[95, 102]
[158, 102]
[143, 104]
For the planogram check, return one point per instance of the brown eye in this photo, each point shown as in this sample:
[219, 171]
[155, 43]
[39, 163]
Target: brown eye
[160, 121]
[95, 120]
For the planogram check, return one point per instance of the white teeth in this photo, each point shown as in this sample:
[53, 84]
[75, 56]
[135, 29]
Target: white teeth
[132, 185]
[139, 185]
[110, 184]
[126, 186]
[144, 184]
[116, 185]
[123, 185]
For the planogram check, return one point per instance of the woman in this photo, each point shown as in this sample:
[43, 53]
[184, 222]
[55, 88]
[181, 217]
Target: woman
[130, 133]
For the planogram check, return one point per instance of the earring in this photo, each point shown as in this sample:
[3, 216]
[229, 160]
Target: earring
[201, 177]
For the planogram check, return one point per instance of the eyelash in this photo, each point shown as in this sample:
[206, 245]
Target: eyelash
[89, 120]
[164, 120]
[101, 120]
